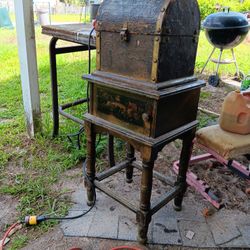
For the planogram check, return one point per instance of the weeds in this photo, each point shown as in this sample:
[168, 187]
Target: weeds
[206, 120]
[18, 242]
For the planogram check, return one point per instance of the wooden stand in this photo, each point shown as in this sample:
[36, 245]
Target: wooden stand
[144, 92]
[148, 148]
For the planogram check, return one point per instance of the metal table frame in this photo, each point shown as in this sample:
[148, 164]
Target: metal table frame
[60, 109]
[56, 108]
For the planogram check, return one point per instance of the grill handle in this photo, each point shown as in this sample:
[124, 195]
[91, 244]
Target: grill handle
[226, 9]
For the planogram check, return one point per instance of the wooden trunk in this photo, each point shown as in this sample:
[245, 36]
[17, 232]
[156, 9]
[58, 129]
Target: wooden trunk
[146, 52]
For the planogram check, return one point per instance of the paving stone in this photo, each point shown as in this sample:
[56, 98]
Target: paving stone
[165, 231]
[190, 211]
[127, 229]
[245, 231]
[202, 235]
[78, 227]
[150, 234]
[109, 219]
[238, 217]
[105, 222]
[79, 197]
[238, 242]
[223, 228]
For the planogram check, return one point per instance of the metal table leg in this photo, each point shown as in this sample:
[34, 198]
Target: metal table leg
[208, 60]
[54, 88]
[219, 62]
[56, 110]
[235, 62]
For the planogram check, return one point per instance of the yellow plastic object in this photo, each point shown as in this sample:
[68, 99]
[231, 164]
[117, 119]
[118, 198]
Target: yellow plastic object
[32, 220]
[235, 113]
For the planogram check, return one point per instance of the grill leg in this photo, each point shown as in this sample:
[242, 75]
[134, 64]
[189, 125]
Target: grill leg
[130, 168]
[144, 215]
[208, 60]
[187, 146]
[235, 62]
[54, 88]
[91, 156]
[218, 64]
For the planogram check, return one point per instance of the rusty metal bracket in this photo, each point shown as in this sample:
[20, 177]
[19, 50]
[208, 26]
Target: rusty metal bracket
[124, 34]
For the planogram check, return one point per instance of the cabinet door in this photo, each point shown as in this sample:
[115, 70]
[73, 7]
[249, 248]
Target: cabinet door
[127, 110]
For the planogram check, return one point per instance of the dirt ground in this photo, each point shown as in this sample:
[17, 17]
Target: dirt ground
[227, 186]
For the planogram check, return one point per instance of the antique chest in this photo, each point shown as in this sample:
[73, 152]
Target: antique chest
[145, 57]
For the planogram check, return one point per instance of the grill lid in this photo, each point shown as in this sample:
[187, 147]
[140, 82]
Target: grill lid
[225, 20]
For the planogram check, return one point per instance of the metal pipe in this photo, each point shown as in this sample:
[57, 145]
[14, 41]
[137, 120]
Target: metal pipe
[235, 62]
[71, 117]
[54, 88]
[70, 49]
[218, 63]
[72, 104]
[208, 60]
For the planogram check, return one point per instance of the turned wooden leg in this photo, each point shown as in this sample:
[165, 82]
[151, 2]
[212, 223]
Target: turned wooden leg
[187, 146]
[144, 215]
[91, 155]
[130, 168]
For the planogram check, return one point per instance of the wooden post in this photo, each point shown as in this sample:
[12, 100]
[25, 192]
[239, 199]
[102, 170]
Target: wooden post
[28, 64]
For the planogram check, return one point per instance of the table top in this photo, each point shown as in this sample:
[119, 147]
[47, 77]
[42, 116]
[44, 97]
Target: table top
[73, 32]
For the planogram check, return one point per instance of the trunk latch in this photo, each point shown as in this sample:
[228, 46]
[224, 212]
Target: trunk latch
[124, 34]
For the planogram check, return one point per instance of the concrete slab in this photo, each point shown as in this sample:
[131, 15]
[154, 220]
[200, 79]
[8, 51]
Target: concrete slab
[190, 211]
[238, 242]
[109, 219]
[127, 229]
[236, 217]
[78, 227]
[231, 82]
[245, 231]
[105, 222]
[104, 227]
[165, 231]
[223, 228]
[202, 235]
[79, 198]
[150, 234]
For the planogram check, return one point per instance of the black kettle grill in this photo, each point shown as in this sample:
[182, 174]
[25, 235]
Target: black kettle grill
[224, 30]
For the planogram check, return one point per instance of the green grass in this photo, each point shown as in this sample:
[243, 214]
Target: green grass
[206, 120]
[18, 242]
[205, 95]
[242, 53]
[29, 169]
